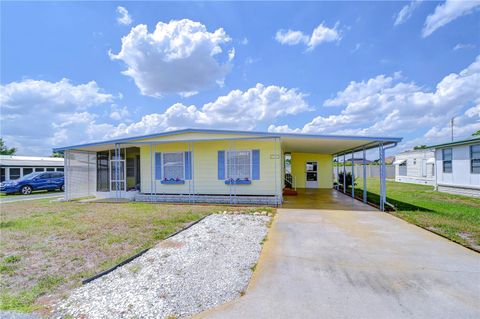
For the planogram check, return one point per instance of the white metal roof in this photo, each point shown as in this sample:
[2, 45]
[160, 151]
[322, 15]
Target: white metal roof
[400, 161]
[292, 142]
[13, 160]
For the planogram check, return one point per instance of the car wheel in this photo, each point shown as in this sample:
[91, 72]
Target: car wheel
[26, 190]
[62, 188]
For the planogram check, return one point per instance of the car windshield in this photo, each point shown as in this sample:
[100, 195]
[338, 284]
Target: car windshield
[29, 176]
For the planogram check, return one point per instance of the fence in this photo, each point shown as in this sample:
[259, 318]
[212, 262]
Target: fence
[372, 170]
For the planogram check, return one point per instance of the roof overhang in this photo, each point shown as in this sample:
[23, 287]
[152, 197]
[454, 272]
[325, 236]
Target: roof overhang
[398, 162]
[291, 142]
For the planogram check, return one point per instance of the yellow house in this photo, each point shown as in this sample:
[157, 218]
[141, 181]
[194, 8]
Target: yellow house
[198, 165]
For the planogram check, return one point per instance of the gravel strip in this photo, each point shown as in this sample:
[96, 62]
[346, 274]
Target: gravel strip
[199, 268]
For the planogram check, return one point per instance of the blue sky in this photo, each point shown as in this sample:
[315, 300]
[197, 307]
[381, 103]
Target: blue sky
[373, 68]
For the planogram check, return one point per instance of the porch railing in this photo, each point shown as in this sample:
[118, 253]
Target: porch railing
[290, 181]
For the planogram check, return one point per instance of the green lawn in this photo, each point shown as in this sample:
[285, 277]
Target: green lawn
[48, 247]
[453, 216]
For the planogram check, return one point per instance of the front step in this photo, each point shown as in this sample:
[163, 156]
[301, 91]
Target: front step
[289, 192]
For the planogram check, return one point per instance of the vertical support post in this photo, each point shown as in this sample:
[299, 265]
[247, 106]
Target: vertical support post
[344, 176]
[364, 176]
[192, 170]
[275, 169]
[115, 169]
[382, 177]
[353, 175]
[338, 173]
[152, 175]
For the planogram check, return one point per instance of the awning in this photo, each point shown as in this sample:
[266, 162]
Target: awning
[400, 161]
[431, 160]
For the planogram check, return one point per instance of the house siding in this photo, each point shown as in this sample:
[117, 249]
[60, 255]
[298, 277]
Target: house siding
[325, 168]
[460, 180]
[205, 168]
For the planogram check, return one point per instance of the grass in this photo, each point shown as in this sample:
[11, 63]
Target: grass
[453, 216]
[47, 248]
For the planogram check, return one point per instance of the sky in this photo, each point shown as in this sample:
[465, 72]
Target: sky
[75, 72]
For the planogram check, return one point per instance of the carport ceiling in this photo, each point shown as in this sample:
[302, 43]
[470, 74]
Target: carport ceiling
[324, 145]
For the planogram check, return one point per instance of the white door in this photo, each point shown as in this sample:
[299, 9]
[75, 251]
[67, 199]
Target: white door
[311, 175]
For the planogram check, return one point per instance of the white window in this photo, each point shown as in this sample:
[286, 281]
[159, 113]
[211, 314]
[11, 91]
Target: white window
[239, 164]
[173, 165]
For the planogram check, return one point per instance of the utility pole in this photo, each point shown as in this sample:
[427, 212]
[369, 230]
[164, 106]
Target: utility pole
[452, 126]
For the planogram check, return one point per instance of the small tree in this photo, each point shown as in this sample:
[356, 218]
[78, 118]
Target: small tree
[420, 147]
[4, 150]
[477, 133]
[57, 154]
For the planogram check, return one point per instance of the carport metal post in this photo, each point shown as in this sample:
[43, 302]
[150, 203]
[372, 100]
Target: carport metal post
[353, 175]
[382, 177]
[344, 176]
[364, 176]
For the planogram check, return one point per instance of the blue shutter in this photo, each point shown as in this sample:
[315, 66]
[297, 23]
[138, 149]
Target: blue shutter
[188, 165]
[158, 166]
[255, 164]
[221, 165]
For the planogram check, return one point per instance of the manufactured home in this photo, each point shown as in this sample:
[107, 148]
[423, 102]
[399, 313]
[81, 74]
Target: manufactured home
[415, 166]
[195, 165]
[458, 167]
[13, 167]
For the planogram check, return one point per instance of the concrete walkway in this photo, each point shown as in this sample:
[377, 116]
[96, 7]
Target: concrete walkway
[357, 264]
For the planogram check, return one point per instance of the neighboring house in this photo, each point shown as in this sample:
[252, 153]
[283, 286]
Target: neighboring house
[458, 167]
[389, 160]
[195, 165]
[416, 166]
[357, 161]
[13, 167]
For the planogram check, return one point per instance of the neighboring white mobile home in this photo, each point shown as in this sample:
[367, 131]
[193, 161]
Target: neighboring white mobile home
[416, 166]
[14, 167]
[458, 167]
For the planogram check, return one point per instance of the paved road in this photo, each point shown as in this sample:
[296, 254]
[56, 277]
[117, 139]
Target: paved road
[17, 198]
[357, 264]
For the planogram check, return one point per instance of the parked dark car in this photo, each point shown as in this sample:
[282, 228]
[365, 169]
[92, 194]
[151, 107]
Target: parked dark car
[33, 182]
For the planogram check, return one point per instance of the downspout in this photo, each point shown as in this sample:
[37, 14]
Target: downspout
[384, 149]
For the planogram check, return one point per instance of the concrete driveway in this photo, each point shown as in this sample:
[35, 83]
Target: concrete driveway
[357, 264]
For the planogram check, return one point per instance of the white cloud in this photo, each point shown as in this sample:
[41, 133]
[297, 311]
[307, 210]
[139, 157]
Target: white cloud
[320, 34]
[461, 46]
[123, 17]
[119, 113]
[177, 57]
[385, 105]
[36, 114]
[406, 12]
[447, 12]
[291, 37]
[39, 115]
[236, 110]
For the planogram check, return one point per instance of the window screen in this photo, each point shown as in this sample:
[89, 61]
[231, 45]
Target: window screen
[447, 160]
[173, 166]
[238, 164]
[27, 171]
[14, 173]
[475, 159]
[2, 177]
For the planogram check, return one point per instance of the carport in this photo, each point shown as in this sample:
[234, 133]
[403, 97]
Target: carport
[324, 157]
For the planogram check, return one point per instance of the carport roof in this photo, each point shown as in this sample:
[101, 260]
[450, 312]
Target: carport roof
[291, 142]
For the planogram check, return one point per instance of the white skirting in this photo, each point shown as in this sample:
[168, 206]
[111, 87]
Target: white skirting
[215, 199]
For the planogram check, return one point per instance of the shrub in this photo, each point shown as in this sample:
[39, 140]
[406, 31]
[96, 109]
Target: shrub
[348, 179]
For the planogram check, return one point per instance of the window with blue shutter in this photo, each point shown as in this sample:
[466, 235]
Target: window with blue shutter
[188, 165]
[221, 165]
[158, 166]
[255, 164]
